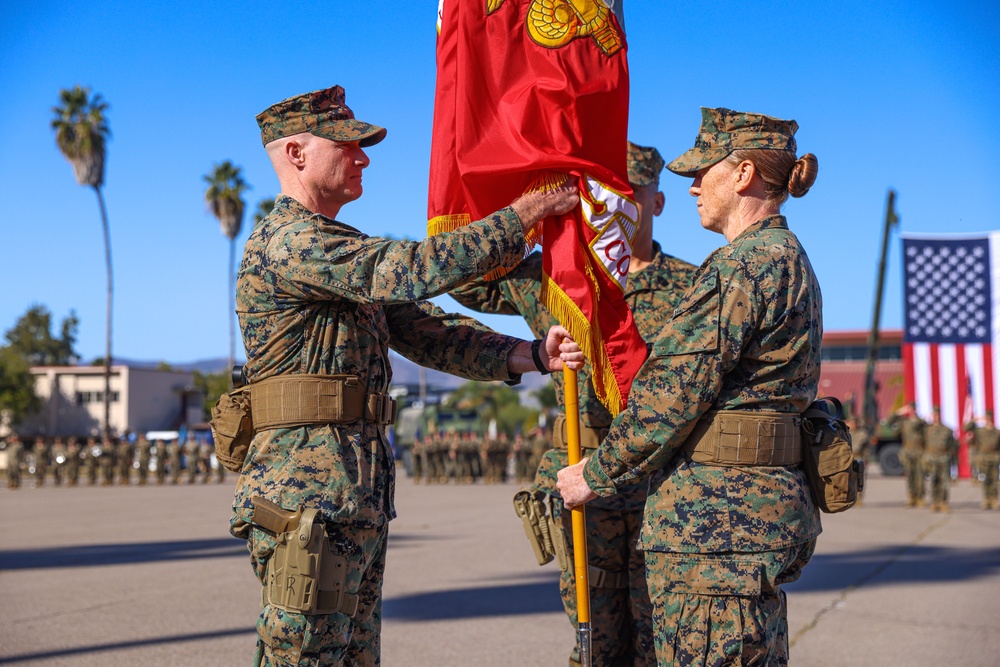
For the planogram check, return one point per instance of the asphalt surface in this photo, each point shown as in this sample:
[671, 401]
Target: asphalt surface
[150, 576]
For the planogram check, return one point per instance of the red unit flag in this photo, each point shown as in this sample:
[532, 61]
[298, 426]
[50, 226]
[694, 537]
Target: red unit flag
[527, 90]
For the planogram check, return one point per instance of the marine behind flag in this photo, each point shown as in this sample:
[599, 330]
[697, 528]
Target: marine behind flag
[527, 90]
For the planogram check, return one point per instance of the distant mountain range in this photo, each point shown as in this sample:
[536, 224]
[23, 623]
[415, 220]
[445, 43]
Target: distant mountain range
[404, 372]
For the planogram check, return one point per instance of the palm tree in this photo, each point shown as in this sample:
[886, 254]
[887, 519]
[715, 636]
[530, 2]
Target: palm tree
[224, 197]
[81, 133]
[264, 207]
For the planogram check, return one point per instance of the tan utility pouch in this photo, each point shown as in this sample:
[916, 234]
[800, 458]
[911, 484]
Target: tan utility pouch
[232, 428]
[590, 438]
[745, 438]
[835, 476]
[543, 531]
[303, 576]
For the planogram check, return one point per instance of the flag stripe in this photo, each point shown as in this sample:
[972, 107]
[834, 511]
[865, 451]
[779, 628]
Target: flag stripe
[909, 383]
[988, 396]
[935, 369]
[962, 387]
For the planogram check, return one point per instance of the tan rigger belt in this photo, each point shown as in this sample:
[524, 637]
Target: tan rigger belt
[590, 438]
[743, 438]
[297, 400]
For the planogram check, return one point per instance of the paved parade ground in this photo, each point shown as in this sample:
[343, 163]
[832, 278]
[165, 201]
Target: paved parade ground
[95, 576]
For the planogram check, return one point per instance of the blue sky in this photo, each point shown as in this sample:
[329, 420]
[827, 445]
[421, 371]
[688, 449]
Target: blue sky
[900, 95]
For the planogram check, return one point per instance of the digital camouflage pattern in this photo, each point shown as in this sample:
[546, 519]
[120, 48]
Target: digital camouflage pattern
[644, 165]
[724, 131]
[620, 617]
[940, 447]
[735, 600]
[317, 296]
[745, 337]
[321, 112]
[912, 453]
[986, 440]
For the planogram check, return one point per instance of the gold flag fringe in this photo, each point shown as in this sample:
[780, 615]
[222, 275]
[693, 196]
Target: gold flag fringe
[451, 222]
[588, 337]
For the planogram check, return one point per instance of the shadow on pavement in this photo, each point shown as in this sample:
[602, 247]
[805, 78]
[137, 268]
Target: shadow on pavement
[120, 554]
[117, 646]
[503, 600]
[896, 565]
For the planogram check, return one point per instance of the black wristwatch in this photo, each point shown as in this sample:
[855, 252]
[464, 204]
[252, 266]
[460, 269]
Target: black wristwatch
[536, 345]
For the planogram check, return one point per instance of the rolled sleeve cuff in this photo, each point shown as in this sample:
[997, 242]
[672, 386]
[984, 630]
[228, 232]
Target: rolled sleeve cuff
[508, 236]
[597, 479]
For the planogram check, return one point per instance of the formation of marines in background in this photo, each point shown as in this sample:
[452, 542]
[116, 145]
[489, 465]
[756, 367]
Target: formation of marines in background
[109, 462]
[929, 449]
[464, 458]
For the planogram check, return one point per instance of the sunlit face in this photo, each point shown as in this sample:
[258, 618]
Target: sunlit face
[335, 168]
[717, 199]
[649, 201]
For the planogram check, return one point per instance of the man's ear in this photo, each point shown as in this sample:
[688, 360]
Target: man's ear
[294, 153]
[658, 202]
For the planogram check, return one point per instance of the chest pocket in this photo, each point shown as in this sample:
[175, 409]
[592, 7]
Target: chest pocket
[694, 326]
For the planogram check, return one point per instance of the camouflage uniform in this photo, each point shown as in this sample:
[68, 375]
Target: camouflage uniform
[125, 458]
[912, 434]
[417, 459]
[721, 540]
[15, 459]
[74, 453]
[620, 613]
[316, 296]
[940, 448]
[107, 462]
[60, 460]
[92, 454]
[987, 441]
[162, 459]
[42, 452]
[174, 451]
[192, 453]
[144, 451]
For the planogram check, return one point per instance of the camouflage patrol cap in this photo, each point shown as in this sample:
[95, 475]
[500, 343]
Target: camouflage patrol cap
[724, 131]
[322, 113]
[644, 165]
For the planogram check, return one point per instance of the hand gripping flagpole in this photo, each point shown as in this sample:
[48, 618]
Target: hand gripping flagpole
[579, 516]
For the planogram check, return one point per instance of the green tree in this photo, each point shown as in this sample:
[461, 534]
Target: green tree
[212, 385]
[30, 343]
[17, 387]
[224, 197]
[31, 338]
[81, 135]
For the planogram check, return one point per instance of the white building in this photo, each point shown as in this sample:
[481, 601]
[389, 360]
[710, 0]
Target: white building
[142, 399]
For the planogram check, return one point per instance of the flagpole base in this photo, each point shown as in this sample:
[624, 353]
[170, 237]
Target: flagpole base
[583, 634]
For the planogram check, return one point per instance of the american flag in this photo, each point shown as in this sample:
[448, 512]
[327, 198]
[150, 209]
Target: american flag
[950, 289]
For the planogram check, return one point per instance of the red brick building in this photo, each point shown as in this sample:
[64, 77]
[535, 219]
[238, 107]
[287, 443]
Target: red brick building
[843, 371]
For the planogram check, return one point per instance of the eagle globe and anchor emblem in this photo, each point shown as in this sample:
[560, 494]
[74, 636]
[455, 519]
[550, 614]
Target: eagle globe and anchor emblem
[554, 23]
